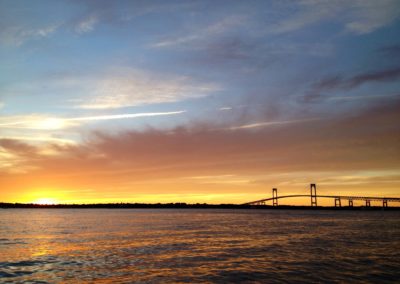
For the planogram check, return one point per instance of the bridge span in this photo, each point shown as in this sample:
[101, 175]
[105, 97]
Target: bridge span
[313, 196]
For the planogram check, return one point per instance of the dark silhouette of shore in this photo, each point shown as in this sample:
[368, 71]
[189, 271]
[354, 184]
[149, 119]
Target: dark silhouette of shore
[182, 206]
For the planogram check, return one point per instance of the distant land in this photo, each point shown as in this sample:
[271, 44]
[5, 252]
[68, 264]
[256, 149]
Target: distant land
[181, 206]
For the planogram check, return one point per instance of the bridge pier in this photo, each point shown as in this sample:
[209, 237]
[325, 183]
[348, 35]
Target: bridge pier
[367, 203]
[274, 197]
[385, 203]
[338, 202]
[313, 191]
[350, 203]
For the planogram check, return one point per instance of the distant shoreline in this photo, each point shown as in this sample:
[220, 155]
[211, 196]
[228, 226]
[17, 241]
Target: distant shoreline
[182, 206]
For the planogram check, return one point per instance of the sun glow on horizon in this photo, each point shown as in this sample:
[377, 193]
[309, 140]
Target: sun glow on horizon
[45, 201]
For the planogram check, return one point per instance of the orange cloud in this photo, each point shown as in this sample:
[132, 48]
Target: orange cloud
[251, 160]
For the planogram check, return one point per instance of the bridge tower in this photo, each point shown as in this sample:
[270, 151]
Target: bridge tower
[350, 202]
[338, 202]
[313, 191]
[274, 197]
[367, 203]
[385, 203]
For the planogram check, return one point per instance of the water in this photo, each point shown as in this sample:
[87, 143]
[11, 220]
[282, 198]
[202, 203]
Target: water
[197, 246]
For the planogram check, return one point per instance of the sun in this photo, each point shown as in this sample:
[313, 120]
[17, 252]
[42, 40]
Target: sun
[45, 201]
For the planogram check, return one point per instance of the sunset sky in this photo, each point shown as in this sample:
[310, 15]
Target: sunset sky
[198, 101]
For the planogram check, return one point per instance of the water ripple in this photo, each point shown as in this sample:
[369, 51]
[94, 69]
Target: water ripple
[200, 246]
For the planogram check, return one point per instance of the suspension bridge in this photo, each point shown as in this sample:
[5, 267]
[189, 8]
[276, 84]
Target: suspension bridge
[314, 197]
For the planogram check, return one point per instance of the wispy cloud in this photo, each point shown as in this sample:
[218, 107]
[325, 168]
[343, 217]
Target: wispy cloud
[87, 24]
[118, 92]
[124, 116]
[358, 16]
[49, 123]
[363, 97]
[390, 50]
[308, 13]
[18, 35]
[128, 87]
[370, 15]
[199, 34]
[365, 141]
[113, 88]
[39, 139]
[225, 108]
[270, 123]
[346, 83]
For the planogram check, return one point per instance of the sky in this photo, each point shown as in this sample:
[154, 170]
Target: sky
[198, 101]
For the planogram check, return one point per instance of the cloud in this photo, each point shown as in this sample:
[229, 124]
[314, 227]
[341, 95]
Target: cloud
[86, 25]
[308, 13]
[364, 97]
[119, 13]
[122, 116]
[364, 141]
[377, 76]
[16, 156]
[357, 16]
[200, 34]
[225, 108]
[50, 123]
[135, 88]
[351, 82]
[269, 123]
[370, 15]
[201, 158]
[115, 87]
[17, 146]
[391, 51]
[30, 122]
[39, 139]
[18, 35]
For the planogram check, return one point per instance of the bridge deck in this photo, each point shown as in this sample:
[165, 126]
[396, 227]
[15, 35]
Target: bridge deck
[345, 197]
